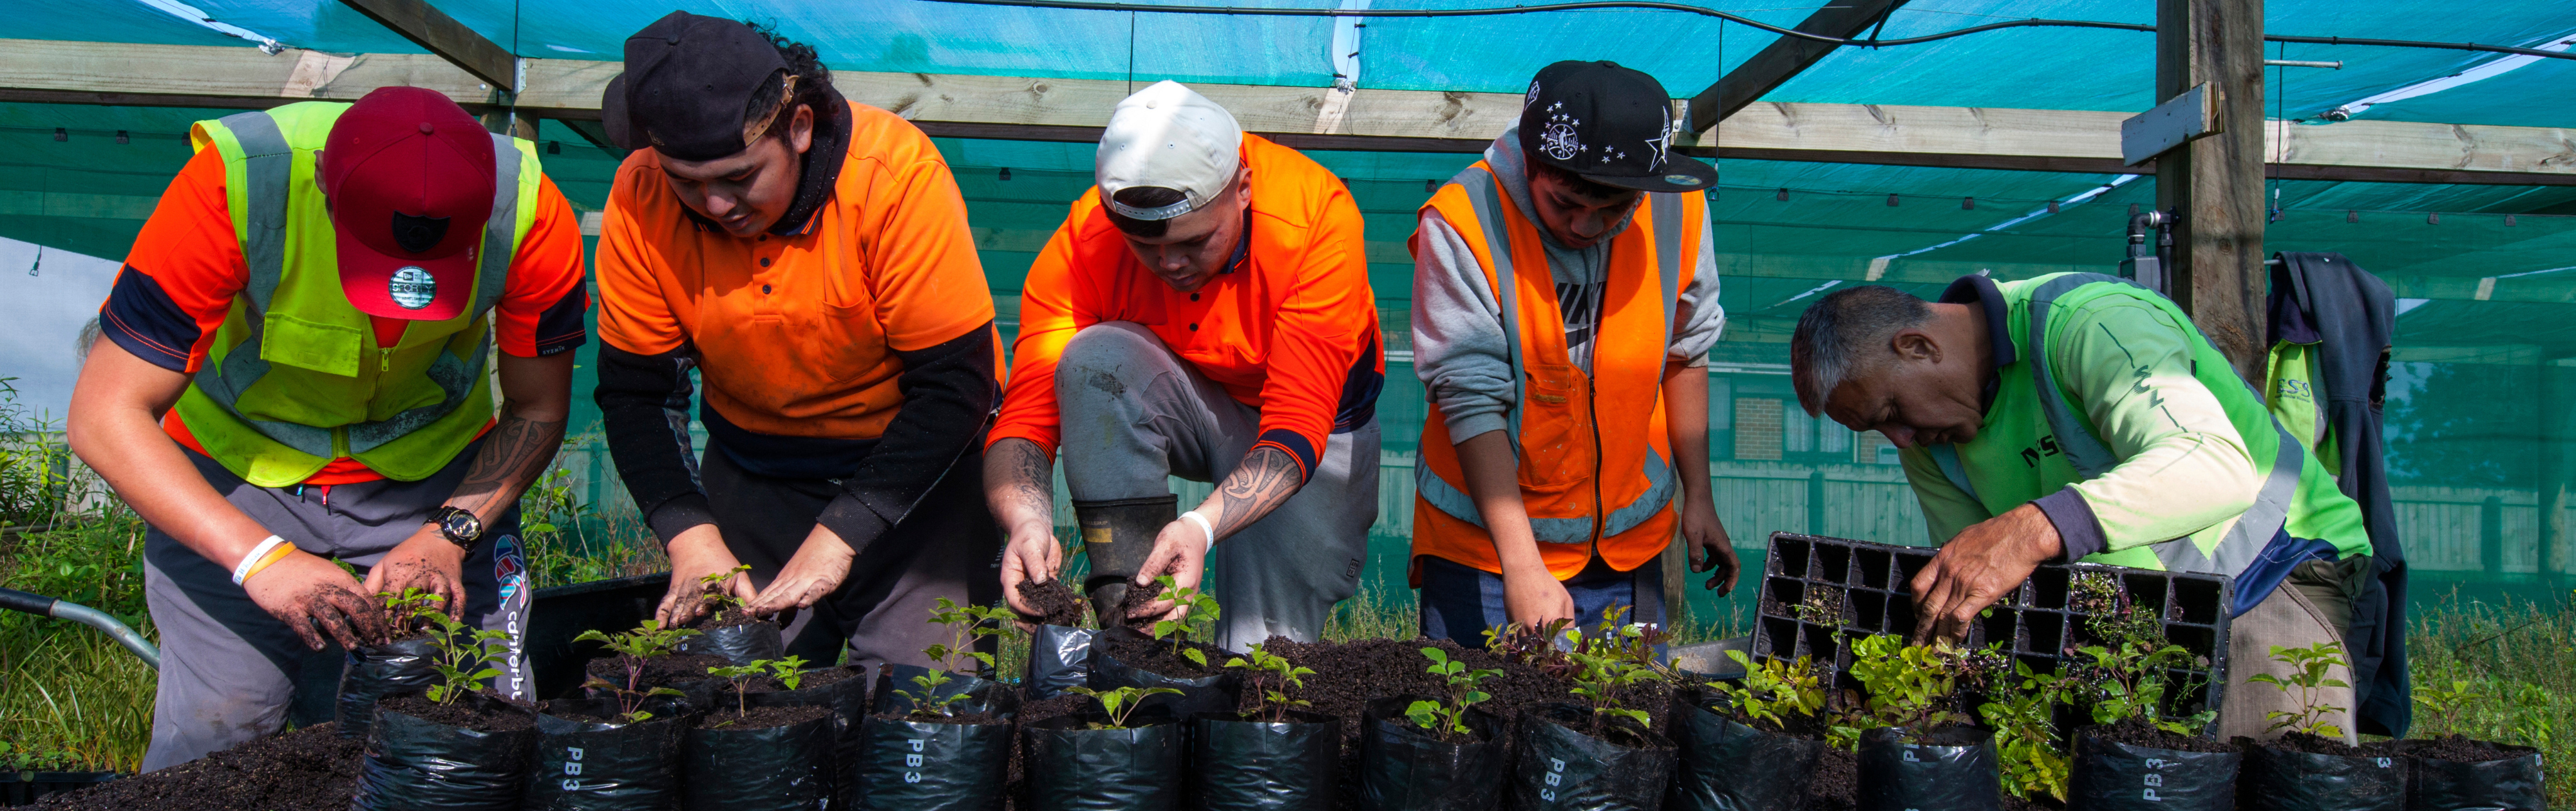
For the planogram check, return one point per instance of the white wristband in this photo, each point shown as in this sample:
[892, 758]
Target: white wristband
[1194, 517]
[242, 570]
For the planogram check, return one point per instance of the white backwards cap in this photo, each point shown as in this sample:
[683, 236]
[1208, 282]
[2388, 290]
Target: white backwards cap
[1167, 136]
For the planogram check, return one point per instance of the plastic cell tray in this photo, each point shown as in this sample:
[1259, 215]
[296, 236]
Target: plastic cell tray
[1820, 594]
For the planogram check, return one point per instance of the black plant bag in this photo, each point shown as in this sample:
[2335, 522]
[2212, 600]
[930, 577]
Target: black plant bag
[981, 695]
[413, 764]
[1252, 765]
[2282, 780]
[1951, 768]
[1204, 694]
[1059, 657]
[2114, 776]
[780, 768]
[584, 763]
[1406, 768]
[911, 765]
[848, 701]
[2511, 783]
[377, 671]
[740, 644]
[1072, 768]
[1557, 766]
[1727, 766]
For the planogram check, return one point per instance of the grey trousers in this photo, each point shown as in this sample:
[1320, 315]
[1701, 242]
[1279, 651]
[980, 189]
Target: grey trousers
[229, 669]
[2313, 605]
[1135, 414]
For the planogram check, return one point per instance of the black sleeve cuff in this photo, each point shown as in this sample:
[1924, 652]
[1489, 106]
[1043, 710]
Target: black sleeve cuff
[2077, 530]
[848, 517]
[680, 514]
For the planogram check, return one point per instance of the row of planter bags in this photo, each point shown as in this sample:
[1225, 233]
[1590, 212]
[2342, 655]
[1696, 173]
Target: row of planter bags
[827, 746]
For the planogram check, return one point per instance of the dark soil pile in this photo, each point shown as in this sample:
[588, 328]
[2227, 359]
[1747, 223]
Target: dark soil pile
[730, 617]
[659, 671]
[1156, 656]
[2135, 732]
[1837, 783]
[2458, 749]
[1136, 599]
[1056, 603]
[2311, 744]
[2012, 803]
[762, 717]
[460, 714]
[310, 769]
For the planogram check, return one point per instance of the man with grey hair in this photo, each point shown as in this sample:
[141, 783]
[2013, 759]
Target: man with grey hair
[2079, 417]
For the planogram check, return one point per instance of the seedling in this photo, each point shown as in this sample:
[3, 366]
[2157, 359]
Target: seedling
[405, 609]
[1120, 703]
[632, 648]
[1608, 665]
[714, 597]
[1268, 670]
[1908, 686]
[1770, 691]
[2019, 710]
[1533, 646]
[784, 670]
[790, 672]
[2309, 677]
[462, 654]
[2446, 704]
[1197, 622]
[1450, 716]
[966, 625]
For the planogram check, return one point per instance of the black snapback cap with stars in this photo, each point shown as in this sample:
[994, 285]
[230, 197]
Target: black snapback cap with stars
[1609, 125]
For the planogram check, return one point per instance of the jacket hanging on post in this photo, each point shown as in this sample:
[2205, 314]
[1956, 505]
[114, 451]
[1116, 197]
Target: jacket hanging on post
[2331, 327]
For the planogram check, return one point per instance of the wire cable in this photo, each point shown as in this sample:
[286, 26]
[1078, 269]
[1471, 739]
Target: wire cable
[1656, 5]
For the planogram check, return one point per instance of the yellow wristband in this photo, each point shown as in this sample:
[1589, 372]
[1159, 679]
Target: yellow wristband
[273, 557]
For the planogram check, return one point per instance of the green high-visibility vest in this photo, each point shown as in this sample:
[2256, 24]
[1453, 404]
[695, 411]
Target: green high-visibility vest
[2035, 442]
[295, 377]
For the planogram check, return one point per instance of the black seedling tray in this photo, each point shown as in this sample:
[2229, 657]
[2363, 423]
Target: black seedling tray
[2039, 623]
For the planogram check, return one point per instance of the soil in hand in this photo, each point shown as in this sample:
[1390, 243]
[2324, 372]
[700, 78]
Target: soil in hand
[310, 769]
[1136, 600]
[1836, 786]
[659, 671]
[2311, 744]
[731, 617]
[762, 717]
[2135, 732]
[1157, 656]
[1056, 603]
[2459, 749]
[461, 714]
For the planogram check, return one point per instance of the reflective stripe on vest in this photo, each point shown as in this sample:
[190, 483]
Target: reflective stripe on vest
[2091, 459]
[1667, 214]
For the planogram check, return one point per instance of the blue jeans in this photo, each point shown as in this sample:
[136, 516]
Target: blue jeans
[1459, 602]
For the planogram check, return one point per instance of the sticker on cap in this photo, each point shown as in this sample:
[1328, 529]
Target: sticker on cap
[412, 287]
[1681, 180]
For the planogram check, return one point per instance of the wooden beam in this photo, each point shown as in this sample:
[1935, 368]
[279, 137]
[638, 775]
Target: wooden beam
[1784, 58]
[430, 28]
[2216, 182]
[203, 75]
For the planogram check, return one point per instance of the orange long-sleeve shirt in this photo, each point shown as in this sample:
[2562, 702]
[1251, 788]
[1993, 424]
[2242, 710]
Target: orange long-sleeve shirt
[1291, 331]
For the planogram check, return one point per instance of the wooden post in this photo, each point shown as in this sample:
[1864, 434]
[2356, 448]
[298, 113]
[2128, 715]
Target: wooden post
[2217, 181]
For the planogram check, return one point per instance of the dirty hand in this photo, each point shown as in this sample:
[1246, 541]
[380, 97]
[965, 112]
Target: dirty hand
[303, 590]
[1710, 548]
[1979, 566]
[818, 568]
[427, 561]
[1534, 598]
[1032, 553]
[697, 552]
[1180, 550]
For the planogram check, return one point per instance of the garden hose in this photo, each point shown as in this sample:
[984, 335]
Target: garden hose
[44, 606]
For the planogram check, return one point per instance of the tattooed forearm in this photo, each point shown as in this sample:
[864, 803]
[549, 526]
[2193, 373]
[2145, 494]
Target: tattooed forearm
[513, 454]
[1264, 481]
[1019, 482]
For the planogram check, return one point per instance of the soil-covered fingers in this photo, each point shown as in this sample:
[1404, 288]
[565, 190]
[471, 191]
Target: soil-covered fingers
[303, 590]
[681, 603]
[813, 573]
[1930, 599]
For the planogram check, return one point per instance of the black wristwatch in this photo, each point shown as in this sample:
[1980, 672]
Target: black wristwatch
[459, 525]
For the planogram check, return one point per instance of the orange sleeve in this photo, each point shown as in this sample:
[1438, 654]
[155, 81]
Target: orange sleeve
[1320, 332]
[180, 278]
[1047, 323]
[633, 314]
[926, 278]
[541, 307]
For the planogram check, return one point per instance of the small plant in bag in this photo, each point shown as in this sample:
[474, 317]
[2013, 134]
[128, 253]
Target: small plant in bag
[1535, 646]
[632, 648]
[462, 654]
[784, 670]
[2018, 709]
[2310, 665]
[1608, 667]
[1119, 703]
[1773, 689]
[967, 624]
[1268, 670]
[405, 610]
[1449, 718]
[1198, 620]
[1908, 686]
[712, 595]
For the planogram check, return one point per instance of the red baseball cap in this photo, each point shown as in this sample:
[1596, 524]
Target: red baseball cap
[410, 178]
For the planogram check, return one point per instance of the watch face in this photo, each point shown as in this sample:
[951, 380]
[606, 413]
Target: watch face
[461, 525]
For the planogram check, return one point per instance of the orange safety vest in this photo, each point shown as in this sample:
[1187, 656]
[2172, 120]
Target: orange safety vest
[1595, 462]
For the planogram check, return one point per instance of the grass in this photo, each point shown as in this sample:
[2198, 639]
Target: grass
[2517, 662]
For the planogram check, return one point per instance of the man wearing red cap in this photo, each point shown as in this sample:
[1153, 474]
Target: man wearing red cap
[292, 370]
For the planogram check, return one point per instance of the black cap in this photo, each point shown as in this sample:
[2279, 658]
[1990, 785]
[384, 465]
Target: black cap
[688, 80]
[1610, 125]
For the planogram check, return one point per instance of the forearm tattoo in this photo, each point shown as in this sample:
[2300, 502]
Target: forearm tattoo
[513, 454]
[1265, 480]
[1025, 481]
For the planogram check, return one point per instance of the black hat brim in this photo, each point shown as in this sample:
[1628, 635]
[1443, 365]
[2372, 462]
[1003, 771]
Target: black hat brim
[1679, 175]
[614, 119]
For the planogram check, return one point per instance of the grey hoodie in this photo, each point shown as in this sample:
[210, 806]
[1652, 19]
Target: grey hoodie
[1458, 346]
